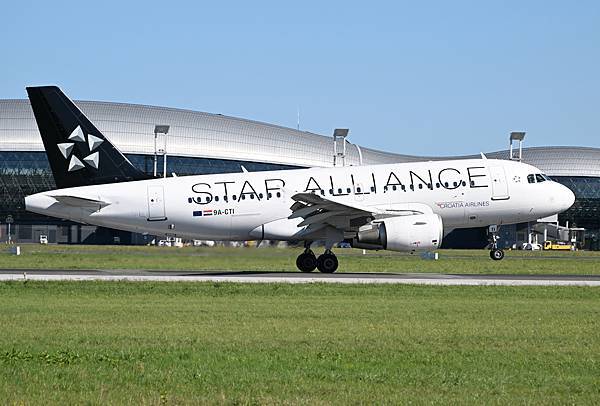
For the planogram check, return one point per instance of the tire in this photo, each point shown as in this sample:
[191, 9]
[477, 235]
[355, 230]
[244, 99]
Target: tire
[306, 262]
[496, 255]
[327, 263]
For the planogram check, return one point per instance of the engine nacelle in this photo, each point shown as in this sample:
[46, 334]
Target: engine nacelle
[402, 233]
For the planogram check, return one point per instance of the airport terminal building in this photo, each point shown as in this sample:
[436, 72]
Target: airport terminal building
[203, 143]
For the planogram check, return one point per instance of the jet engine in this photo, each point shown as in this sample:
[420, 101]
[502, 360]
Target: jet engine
[402, 233]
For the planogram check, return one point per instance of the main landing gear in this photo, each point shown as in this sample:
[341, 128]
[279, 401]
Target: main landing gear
[326, 262]
[495, 253]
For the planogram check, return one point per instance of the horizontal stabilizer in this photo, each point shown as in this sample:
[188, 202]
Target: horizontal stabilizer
[83, 202]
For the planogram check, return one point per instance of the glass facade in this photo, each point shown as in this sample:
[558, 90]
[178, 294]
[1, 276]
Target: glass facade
[586, 210]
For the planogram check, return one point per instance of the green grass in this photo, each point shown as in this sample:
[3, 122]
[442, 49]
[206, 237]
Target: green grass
[181, 343]
[272, 259]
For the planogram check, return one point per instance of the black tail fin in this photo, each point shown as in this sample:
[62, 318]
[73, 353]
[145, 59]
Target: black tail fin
[78, 153]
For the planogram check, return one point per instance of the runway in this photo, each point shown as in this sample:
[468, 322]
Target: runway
[297, 277]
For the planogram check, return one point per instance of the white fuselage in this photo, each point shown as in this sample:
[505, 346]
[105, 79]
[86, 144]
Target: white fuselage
[234, 206]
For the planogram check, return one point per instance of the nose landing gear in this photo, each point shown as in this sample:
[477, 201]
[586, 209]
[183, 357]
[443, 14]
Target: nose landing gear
[495, 253]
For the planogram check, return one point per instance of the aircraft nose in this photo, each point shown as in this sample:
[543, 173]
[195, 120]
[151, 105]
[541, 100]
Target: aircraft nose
[565, 197]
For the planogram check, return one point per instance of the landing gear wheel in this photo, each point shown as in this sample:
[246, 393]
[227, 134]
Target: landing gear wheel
[306, 262]
[327, 263]
[496, 254]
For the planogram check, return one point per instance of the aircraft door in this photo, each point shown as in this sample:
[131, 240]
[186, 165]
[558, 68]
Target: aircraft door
[499, 183]
[156, 203]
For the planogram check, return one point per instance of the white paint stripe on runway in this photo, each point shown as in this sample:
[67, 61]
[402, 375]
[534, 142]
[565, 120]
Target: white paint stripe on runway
[262, 279]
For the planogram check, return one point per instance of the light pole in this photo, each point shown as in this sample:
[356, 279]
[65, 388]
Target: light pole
[160, 129]
[516, 136]
[339, 134]
[9, 221]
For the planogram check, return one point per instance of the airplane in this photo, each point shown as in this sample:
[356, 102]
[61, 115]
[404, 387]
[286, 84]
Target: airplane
[399, 207]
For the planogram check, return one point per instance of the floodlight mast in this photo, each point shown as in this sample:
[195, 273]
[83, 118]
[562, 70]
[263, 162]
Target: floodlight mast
[160, 129]
[339, 154]
[516, 155]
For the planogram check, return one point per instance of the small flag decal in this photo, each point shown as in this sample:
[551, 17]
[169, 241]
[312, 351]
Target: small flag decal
[207, 213]
[197, 213]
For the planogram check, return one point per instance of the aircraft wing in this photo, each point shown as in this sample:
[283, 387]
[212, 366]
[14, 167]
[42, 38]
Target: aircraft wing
[318, 212]
[82, 202]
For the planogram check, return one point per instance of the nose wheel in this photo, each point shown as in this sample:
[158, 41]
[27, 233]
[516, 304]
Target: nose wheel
[496, 254]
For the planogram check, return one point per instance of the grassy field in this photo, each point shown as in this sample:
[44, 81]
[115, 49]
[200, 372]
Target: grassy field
[181, 343]
[283, 259]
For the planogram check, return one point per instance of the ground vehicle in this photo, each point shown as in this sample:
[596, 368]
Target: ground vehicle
[558, 245]
[531, 246]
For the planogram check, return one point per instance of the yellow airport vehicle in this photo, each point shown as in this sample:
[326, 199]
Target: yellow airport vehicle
[563, 246]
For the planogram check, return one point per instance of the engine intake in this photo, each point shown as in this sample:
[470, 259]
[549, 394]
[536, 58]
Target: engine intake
[402, 233]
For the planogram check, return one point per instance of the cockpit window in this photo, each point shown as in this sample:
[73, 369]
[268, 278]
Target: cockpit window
[546, 176]
[539, 177]
[531, 178]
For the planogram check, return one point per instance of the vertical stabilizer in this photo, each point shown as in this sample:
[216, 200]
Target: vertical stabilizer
[79, 154]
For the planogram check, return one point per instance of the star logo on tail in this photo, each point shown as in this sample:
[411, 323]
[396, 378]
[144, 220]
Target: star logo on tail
[66, 149]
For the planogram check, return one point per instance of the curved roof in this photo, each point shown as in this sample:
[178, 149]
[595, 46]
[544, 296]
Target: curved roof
[197, 134]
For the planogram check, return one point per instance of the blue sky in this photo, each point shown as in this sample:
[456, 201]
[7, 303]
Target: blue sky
[426, 77]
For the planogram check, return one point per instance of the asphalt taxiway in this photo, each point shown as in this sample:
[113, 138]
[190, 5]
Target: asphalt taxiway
[297, 277]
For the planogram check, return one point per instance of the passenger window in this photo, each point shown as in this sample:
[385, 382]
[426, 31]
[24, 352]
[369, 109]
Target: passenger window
[539, 178]
[278, 194]
[530, 179]
[420, 186]
[394, 188]
[216, 198]
[357, 190]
